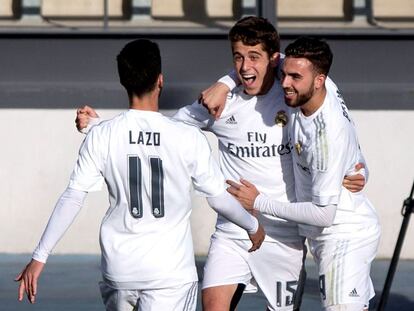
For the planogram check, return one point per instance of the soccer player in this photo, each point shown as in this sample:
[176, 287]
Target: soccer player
[253, 143]
[149, 163]
[342, 227]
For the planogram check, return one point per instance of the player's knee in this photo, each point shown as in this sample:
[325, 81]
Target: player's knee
[347, 307]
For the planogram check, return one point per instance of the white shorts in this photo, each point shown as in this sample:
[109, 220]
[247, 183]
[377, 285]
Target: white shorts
[277, 268]
[344, 266]
[178, 298]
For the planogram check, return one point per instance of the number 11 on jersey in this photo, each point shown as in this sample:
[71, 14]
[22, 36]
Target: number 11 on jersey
[136, 185]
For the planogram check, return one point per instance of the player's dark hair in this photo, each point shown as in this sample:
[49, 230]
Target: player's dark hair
[252, 30]
[316, 51]
[139, 65]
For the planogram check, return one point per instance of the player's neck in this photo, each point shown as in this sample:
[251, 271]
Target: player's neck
[147, 102]
[314, 103]
[267, 84]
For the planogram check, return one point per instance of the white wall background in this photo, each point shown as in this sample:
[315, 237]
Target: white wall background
[40, 149]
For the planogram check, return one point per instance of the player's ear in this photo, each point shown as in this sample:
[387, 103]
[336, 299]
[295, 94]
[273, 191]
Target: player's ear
[320, 81]
[274, 59]
[160, 81]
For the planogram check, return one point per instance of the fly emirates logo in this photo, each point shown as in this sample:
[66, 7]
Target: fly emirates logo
[258, 147]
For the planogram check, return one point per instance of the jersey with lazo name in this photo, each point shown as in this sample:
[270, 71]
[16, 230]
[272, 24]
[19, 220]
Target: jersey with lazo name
[145, 160]
[253, 143]
[326, 149]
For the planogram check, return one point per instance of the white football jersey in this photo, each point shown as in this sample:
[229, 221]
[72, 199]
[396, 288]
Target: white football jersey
[326, 149]
[149, 163]
[254, 147]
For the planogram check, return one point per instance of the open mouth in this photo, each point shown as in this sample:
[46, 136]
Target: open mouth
[248, 80]
[289, 93]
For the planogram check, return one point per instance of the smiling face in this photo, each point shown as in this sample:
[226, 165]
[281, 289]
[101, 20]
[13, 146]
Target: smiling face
[299, 81]
[254, 67]
[304, 72]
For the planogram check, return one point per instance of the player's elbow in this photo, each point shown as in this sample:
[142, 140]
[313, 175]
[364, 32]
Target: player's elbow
[328, 216]
[327, 222]
[325, 215]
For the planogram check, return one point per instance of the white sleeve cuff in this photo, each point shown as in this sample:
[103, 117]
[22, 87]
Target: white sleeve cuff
[92, 123]
[230, 80]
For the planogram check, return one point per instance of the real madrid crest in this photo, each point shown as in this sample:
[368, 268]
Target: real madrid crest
[298, 147]
[281, 118]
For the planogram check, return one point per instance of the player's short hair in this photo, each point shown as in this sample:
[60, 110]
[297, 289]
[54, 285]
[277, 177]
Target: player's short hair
[316, 51]
[139, 65]
[253, 30]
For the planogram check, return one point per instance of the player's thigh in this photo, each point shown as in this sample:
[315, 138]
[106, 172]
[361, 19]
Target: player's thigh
[221, 298]
[278, 269]
[344, 268]
[225, 270]
[118, 299]
[226, 264]
[177, 298]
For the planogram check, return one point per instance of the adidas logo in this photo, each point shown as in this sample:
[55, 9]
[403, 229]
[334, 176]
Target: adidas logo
[231, 120]
[353, 293]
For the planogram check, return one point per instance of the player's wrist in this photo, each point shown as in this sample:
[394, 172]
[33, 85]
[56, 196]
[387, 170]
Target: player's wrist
[92, 122]
[258, 202]
[42, 258]
[228, 81]
[255, 227]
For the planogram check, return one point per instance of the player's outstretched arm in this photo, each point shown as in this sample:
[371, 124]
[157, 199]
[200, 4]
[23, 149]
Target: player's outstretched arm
[300, 212]
[28, 280]
[66, 209]
[355, 182]
[84, 117]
